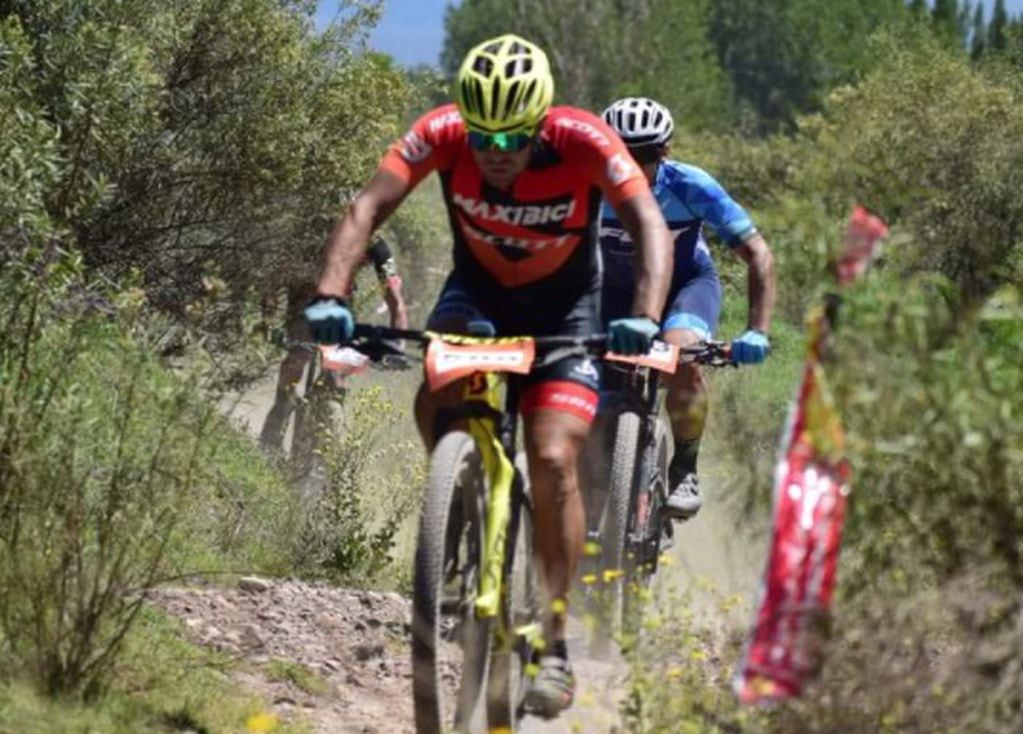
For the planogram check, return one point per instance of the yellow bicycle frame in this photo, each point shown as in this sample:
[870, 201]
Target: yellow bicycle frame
[500, 474]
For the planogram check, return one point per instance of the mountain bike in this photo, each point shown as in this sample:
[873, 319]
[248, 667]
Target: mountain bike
[627, 537]
[476, 617]
[314, 410]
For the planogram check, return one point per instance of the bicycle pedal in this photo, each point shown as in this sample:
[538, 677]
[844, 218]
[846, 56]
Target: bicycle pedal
[667, 536]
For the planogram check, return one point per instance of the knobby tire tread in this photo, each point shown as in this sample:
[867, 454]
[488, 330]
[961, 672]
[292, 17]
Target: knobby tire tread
[447, 462]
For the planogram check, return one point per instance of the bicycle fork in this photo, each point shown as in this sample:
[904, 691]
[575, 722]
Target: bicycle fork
[496, 445]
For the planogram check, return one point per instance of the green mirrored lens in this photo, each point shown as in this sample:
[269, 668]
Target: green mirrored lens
[504, 142]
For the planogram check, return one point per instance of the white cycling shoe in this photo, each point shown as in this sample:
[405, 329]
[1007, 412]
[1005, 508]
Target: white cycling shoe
[684, 501]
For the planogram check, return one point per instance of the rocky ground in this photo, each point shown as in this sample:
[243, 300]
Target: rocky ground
[338, 659]
[335, 658]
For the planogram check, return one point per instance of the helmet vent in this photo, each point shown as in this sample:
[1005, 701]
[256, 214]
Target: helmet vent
[478, 102]
[495, 98]
[530, 92]
[483, 66]
[511, 98]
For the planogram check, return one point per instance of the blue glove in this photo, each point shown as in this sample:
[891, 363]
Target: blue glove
[634, 335]
[750, 348]
[330, 320]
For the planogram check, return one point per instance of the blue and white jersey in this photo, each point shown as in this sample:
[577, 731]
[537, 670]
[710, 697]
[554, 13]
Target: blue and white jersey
[688, 196]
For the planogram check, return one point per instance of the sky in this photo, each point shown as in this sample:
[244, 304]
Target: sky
[412, 31]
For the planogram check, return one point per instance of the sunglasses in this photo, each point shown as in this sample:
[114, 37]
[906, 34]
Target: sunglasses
[503, 142]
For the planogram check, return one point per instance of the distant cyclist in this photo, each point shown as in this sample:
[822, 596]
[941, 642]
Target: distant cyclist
[294, 364]
[689, 197]
[522, 183]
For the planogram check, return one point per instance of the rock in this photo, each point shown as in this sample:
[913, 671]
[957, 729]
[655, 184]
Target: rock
[251, 638]
[254, 584]
[210, 632]
[368, 650]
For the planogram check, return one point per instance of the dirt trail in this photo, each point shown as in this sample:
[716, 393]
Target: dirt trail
[339, 659]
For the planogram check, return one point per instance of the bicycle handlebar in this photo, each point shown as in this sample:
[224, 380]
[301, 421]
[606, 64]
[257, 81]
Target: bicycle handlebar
[377, 343]
[710, 353]
[371, 332]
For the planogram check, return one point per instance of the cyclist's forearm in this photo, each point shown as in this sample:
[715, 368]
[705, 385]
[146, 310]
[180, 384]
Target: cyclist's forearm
[345, 249]
[761, 286]
[346, 245]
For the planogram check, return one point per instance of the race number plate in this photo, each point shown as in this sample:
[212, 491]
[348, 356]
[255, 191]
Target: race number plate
[662, 356]
[446, 363]
[342, 360]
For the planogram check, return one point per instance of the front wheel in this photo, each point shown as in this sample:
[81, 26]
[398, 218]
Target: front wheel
[614, 532]
[647, 527]
[450, 643]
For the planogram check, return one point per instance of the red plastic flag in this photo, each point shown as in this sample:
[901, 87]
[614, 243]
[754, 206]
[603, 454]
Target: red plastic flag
[811, 485]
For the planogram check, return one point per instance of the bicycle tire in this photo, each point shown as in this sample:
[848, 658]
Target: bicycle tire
[615, 530]
[641, 564]
[451, 522]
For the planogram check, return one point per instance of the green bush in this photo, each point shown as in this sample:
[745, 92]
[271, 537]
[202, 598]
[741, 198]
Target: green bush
[160, 684]
[191, 138]
[935, 146]
[349, 530]
[109, 476]
[28, 147]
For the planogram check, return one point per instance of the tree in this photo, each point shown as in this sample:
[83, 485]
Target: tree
[783, 56]
[978, 36]
[603, 49]
[997, 35]
[946, 18]
[199, 137]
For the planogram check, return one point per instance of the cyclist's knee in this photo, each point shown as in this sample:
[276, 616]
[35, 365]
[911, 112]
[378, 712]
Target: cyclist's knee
[683, 337]
[555, 459]
[291, 370]
[553, 442]
[430, 407]
[688, 382]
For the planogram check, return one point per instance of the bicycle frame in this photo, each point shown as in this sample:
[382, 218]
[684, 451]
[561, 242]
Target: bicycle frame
[493, 431]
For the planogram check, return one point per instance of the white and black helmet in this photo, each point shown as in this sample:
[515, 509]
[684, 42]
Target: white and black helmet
[640, 121]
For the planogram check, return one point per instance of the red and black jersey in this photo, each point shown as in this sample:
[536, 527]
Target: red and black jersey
[537, 239]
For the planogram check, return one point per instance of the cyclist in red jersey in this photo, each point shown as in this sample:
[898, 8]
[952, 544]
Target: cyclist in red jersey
[522, 183]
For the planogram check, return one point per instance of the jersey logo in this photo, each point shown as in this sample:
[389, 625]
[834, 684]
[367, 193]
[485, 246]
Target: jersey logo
[620, 168]
[586, 369]
[445, 120]
[527, 215]
[590, 131]
[530, 244]
[414, 149]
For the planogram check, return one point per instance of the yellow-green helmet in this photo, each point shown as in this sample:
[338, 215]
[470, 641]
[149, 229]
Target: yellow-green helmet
[504, 85]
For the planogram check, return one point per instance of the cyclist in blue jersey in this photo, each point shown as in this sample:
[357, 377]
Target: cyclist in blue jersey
[689, 197]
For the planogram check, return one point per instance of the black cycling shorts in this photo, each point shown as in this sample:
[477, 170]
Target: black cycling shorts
[570, 384]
